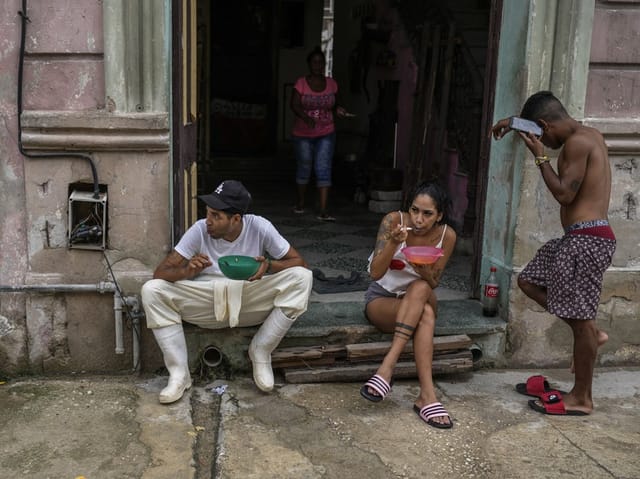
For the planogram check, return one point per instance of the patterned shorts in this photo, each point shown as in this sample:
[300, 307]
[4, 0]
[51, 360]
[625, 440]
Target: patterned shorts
[571, 268]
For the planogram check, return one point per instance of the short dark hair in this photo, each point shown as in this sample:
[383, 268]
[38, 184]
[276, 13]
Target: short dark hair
[316, 51]
[439, 196]
[543, 105]
[231, 212]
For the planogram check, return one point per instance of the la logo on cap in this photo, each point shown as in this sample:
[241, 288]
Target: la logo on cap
[219, 188]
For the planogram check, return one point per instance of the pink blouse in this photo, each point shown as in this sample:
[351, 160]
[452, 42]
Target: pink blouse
[318, 105]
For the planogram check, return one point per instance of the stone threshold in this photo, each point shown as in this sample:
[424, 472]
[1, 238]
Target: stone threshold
[343, 322]
[458, 316]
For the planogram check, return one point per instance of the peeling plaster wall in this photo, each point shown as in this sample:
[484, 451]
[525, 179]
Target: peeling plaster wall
[611, 105]
[63, 103]
[614, 75]
[63, 66]
[13, 245]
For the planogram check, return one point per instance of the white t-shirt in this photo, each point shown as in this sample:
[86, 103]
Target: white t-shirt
[258, 236]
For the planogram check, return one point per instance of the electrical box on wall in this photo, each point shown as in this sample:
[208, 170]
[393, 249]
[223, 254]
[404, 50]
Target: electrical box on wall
[87, 220]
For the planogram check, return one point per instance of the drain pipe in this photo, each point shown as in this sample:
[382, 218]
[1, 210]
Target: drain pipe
[476, 352]
[211, 356]
[102, 287]
[135, 313]
[117, 314]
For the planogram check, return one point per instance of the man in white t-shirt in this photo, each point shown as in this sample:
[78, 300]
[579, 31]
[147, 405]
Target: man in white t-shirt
[189, 286]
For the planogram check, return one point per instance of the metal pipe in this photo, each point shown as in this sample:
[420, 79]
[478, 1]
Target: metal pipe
[101, 287]
[136, 312]
[135, 326]
[211, 356]
[117, 314]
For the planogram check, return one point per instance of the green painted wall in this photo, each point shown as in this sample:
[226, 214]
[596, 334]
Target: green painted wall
[505, 168]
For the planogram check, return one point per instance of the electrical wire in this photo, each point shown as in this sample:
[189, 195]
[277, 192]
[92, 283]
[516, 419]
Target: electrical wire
[53, 154]
[85, 228]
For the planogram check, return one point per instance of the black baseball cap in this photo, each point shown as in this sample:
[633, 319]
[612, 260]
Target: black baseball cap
[229, 195]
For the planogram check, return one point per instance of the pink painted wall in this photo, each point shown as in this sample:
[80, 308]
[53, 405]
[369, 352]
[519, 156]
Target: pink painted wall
[64, 61]
[12, 197]
[63, 70]
[613, 88]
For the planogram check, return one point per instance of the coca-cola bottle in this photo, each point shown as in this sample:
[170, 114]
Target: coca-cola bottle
[490, 294]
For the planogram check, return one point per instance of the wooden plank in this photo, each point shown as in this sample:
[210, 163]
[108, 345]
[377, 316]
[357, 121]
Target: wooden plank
[440, 343]
[313, 352]
[302, 363]
[403, 356]
[345, 372]
[302, 356]
[307, 353]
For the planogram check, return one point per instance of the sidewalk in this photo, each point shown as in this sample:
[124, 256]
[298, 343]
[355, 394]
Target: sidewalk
[113, 427]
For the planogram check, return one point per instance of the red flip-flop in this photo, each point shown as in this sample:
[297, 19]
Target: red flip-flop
[536, 386]
[553, 404]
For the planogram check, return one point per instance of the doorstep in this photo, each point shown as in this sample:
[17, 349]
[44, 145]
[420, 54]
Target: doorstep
[337, 321]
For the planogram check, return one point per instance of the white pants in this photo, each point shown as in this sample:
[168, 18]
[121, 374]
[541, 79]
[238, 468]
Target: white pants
[215, 302]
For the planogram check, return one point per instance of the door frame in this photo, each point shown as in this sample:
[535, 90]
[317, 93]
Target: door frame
[184, 116]
[482, 175]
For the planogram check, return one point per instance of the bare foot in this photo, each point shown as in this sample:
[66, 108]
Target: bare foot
[571, 404]
[571, 407]
[602, 338]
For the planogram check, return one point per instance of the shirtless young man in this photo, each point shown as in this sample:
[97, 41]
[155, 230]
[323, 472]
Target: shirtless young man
[565, 276]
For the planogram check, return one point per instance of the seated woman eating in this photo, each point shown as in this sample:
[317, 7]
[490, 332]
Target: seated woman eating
[401, 298]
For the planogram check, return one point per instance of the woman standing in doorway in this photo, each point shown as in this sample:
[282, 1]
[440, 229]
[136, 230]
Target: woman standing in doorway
[313, 102]
[401, 298]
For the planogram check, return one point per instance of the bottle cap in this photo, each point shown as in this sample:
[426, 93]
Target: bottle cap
[493, 268]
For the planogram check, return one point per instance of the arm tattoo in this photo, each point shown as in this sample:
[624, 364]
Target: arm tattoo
[385, 227]
[383, 234]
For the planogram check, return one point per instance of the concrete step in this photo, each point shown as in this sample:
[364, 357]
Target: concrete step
[460, 316]
[343, 322]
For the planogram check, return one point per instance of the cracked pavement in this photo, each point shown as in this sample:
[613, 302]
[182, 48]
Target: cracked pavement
[104, 427]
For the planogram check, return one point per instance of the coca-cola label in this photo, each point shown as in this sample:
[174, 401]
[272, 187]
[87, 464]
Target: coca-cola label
[491, 290]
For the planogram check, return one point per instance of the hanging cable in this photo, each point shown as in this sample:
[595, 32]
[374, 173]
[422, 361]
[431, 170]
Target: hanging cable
[53, 154]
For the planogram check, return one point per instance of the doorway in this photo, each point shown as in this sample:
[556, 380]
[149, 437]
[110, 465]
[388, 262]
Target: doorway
[249, 52]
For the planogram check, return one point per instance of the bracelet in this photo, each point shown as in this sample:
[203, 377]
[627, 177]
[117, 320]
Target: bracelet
[268, 265]
[541, 159]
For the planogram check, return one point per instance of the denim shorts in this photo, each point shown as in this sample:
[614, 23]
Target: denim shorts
[317, 153]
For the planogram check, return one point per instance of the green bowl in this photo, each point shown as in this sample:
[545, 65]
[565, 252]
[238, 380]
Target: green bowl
[238, 267]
